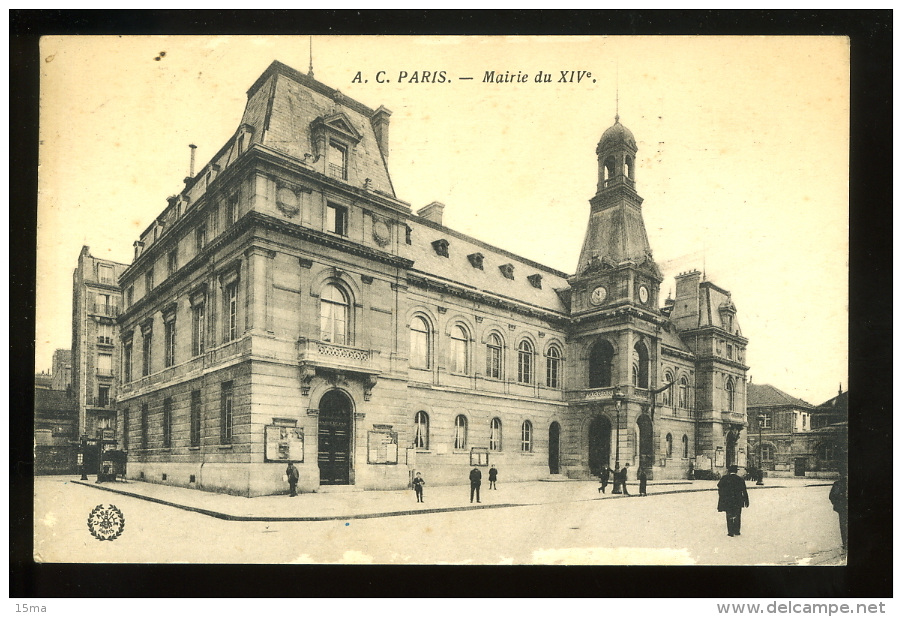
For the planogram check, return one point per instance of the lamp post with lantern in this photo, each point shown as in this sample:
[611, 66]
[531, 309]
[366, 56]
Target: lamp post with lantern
[760, 450]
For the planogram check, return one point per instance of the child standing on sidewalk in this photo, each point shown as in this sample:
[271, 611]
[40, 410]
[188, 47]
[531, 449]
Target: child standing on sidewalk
[418, 483]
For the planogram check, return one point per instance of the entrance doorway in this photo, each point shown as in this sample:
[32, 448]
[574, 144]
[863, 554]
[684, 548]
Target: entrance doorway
[732, 438]
[646, 443]
[554, 448]
[599, 444]
[801, 464]
[335, 438]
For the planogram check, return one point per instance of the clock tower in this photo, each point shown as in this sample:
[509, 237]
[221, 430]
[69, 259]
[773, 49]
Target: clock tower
[616, 322]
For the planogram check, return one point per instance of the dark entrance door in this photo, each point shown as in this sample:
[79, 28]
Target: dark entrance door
[599, 444]
[335, 438]
[646, 443]
[732, 437]
[800, 466]
[554, 448]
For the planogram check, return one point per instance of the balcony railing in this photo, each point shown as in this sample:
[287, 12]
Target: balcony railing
[98, 401]
[317, 353]
[104, 340]
[106, 280]
[620, 180]
[111, 310]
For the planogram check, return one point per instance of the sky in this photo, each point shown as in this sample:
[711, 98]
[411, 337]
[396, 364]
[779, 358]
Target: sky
[742, 162]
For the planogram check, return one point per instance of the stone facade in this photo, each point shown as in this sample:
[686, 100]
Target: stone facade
[785, 431]
[286, 305]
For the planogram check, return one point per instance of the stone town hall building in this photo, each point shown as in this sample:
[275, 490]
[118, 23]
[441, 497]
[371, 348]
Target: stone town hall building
[286, 305]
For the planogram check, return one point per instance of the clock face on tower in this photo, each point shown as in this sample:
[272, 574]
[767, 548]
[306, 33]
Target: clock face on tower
[643, 294]
[598, 295]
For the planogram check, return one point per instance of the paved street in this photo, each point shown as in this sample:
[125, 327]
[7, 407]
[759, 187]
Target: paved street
[789, 522]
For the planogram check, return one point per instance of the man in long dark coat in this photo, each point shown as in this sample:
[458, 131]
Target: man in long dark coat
[605, 477]
[732, 498]
[839, 499]
[475, 483]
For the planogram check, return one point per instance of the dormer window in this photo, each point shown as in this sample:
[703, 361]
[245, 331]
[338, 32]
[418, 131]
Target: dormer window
[440, 247]
[507, 270]
[535, 280]
[475, 260]
[338, 161]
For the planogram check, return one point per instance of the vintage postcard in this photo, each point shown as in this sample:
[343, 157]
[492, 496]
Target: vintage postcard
[575, 300]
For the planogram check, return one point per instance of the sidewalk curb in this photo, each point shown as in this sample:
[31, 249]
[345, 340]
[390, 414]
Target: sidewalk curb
[296, 519]
[348, 517]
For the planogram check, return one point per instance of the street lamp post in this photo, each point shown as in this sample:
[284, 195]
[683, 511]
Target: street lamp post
[618, 398]
[81, 456]
[760, 458]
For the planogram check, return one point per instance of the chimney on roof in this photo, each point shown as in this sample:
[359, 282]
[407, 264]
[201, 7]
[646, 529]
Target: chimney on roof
[840, 387]
[191, 168]
[432, 212]
[380, 127]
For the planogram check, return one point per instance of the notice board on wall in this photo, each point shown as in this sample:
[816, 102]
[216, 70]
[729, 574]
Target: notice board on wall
[382, 447]
[284, 444]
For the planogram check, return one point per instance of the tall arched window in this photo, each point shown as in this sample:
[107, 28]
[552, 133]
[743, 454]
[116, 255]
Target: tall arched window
[460, 432]
[628, 165]
[421, 430]
[601, 360]
[767, 453]
[495, 435]
[731, 394]
[669, 440]
[493, 357]
[333, 315]
[459, 350]
[640, 365]
[685, 446]
[553, 367]
[609, 168]
[526, 436]
[667, 398]
[684, 393]
[524, 362]
[419, 343]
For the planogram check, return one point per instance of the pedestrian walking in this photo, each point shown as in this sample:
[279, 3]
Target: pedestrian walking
[840, 500]
[732, 497]
[623, 475]
[292, 475]
[605, 477]
[475, 483]
[642, 476]
[493, 477]
[418, 483]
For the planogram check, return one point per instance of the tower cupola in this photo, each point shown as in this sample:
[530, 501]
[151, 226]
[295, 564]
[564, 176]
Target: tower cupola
[616, 157]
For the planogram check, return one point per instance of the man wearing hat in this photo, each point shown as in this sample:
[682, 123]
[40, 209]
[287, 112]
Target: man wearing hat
[732, 497]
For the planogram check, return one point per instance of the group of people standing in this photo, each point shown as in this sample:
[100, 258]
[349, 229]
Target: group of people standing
[475, 483]
[619, 476]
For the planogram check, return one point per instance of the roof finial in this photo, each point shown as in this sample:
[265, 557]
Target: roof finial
[617, 95]
[310, 70]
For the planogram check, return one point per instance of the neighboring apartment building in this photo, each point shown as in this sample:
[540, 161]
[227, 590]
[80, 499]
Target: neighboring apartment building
[287, 306]
[830, 433]
[96, 302]
[55, 419]
[785, 423]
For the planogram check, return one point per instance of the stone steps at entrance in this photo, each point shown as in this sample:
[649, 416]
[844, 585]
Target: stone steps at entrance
[338, 488]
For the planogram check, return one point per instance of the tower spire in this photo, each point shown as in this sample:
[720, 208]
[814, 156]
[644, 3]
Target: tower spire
[310, 70]
[617, 94]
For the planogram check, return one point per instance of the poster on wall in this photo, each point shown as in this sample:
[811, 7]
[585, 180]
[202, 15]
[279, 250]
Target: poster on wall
[284, 444]
[718, 457]
[702, 463]
[382, 448]
[740, 458]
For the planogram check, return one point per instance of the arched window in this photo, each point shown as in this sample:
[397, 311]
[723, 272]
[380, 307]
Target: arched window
[669, 440]
[526, 436]
[629, 167]
[731, 394]
[460, 432]
[600, 362]
[767, 453]
[684, 393]
[553, 367]
[640, 365]
[495, 435]
[667, 398]
[459, 350]
[421, 430]
[493, 357]
[685, 446]
[608, 168]
[419, 343]
[524, 362]
[333, 315]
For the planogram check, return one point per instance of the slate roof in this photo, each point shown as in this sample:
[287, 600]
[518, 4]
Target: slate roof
[765, 395]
